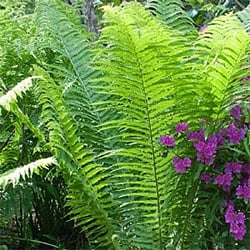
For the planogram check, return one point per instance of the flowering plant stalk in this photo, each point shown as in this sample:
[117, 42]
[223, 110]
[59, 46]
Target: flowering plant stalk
[223, 151]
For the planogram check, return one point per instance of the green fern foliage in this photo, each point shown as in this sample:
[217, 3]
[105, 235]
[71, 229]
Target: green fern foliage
[10, 103]
[135, 65]
[226, 48]
[11, 96]
[72, 43]
[86, 180]
[13, 176]
[102, 111]
[72, 119]
[172, 13]
[153, 79]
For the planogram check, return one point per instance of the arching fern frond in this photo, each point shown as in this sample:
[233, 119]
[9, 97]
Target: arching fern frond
[13, 176]
[89, 200]
[72, 43]
[172, 13]
[141, 70]
[9, 102]
[11, 96]
[226, 47]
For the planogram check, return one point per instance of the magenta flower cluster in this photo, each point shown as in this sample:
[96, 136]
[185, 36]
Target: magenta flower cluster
[206, 149]
[181, 164]
[235, 135]
[230, 173]
[235, 112]
[167, 140]
[236, 221]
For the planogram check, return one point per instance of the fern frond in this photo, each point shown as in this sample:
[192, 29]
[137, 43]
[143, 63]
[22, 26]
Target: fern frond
[65, 118]
[225, 45]
[11, 96]
[9, 154]
[136, 68]
[9, 102]
[13, 176]
[172, 13]
[73, 45]
[86, 180]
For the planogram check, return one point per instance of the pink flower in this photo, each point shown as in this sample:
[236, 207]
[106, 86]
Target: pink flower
[220, 139]
[167, 140]
[233, 167]
[197, 136]
[236, 112]
[206, 150]
[235, 135]
[224, 180]
[246, 169]
[238, 230]
[229, 215]
[203, 28]
[181, 164]
[181, 127]
[237, 222]
[243, 190]
[205, 177]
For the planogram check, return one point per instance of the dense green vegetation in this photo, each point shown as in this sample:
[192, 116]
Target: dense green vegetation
[84, 100]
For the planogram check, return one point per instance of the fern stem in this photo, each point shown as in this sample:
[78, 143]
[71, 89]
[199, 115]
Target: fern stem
[188, 213]
[152, 150]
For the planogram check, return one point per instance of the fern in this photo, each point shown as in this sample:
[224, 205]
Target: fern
[13, 176]
[153, 81]
[11, 96]
[226, 46]
[103, 124]
[9, 102]
[72, 44]
[172, 13]
[136, 71]
[72, 139]
[88, 198]
[223, 51]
